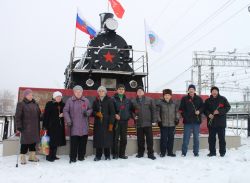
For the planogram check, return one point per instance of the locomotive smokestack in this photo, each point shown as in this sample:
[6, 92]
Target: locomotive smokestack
[104, 17]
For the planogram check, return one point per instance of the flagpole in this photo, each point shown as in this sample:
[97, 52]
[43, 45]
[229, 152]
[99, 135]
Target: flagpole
[146, 50]
[75, 38]
[108, 5]
[75, 29]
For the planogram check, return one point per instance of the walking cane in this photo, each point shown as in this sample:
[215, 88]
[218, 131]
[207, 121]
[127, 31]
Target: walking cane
[18, 151]
[69, 144]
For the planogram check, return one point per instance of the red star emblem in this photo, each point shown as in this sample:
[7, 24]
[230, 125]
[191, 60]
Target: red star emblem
[109, 57]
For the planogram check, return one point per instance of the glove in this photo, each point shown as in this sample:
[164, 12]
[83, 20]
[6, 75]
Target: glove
[69, 124]
[99, 115]
[176, 122]
[110, 127]
[20, 129]
[160, 124]
[85, 113]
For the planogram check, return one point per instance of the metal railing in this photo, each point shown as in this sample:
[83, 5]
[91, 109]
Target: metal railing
[239, 124]
[139, 62]
[7, 126]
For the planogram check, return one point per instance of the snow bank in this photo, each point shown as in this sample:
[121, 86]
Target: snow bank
[233, 168]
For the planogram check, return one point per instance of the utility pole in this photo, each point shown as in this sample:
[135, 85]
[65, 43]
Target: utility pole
[209, 60]
[199, 79]
[212, 72]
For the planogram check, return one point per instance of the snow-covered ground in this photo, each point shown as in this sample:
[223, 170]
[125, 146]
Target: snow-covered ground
[233, 168]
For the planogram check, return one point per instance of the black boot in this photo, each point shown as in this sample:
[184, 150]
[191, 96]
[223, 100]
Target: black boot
[123, 157]
[151, 156]
[54, 154]
[97, 159]
[115, 156]
[171, 154]
[196, 155]
[211, 154]
[162, 155]
[139, 155]
[107, 158]
[222, 154]
[50, 159]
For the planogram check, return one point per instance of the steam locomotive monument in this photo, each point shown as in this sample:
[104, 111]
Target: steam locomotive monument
[108, 61]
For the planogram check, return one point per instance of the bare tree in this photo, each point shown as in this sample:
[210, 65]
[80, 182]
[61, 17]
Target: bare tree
[7, 102]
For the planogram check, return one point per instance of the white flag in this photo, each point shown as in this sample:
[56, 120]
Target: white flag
[153, 39]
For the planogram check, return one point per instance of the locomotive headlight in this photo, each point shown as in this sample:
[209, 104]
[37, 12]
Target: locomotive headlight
[90, 82]
[111, 24]
[133, 84]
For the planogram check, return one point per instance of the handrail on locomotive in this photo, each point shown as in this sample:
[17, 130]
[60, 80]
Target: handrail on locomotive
[139, 62]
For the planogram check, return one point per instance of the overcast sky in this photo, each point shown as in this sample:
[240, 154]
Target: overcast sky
[36, 36]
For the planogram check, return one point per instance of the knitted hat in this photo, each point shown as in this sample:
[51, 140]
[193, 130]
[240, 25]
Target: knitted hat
[214, 88]
[102, 88]
[57, 94]
[191, 86]
[167, 91]
[27, 92]
[78, 87]
[139, 88]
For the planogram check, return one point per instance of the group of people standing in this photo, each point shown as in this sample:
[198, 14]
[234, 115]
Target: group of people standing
[111, 116]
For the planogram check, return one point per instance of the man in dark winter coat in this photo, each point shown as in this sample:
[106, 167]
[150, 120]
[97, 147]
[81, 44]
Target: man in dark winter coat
[191, 108]
[123, 110]
[144, 110]
[167, 118]
[104, 113]
[53, 122]
[76, 114]
[27, 120]
[216, 108]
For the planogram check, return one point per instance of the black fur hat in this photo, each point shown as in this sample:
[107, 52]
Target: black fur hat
[140, 88]
[167, 91]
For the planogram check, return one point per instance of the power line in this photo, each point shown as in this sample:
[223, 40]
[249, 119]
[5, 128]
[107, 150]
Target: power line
[215, 28]
[183, 15]
[170, 81]
[162, 12]
[202, 24]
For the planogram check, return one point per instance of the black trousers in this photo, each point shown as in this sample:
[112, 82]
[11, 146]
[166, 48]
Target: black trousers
[26, 147]
[52, 152]
[141, 133]
[120, 138]
[99, 152]
[78, 146]
[167, 140]
[212, 139]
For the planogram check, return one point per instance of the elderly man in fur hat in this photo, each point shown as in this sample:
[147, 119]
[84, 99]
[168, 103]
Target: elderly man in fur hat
[168, 118]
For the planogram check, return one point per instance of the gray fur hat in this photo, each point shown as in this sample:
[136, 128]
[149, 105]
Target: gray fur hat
[102, 88]
[78, 87]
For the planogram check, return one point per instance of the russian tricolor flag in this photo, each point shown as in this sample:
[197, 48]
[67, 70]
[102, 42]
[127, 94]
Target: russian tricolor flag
[84, 26]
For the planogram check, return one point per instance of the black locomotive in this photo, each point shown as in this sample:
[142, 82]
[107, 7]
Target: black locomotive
[108, 61]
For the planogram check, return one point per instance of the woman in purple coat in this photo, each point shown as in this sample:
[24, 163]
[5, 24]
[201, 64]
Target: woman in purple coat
[76, 114]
